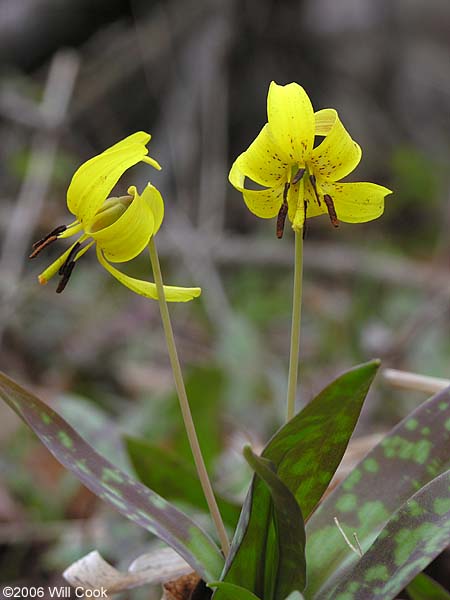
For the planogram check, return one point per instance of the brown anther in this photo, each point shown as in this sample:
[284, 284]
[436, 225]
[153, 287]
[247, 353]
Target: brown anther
[281, 219]
[305, 224]
[282, 213]
[47, 240]
[331, 210]
[314, 185]
[297, 177]
[65, 277]
[69, 260]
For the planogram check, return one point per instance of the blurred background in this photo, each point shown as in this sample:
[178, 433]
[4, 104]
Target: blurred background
[77, 76]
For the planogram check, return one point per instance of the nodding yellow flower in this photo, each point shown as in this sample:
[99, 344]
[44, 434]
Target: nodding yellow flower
[119, 227]
[300, 180]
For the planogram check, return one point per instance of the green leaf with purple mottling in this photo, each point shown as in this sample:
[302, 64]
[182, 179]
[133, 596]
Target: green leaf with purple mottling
[306, 453]
[128, 496]
[423, 587]
[413, 537]
[411, 455]
[289, 573]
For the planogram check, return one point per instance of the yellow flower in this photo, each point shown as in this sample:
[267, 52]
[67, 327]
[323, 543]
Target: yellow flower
[301, 180]
[120, 227]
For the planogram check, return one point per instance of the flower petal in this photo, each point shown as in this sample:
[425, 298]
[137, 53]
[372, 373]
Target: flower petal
[338, 155]
[291, 121]
[147, 288]
[154, 199]
[262, 203]
[93, 181]
[325, 120]
[357, 202]
[262, 162]
[130, 234]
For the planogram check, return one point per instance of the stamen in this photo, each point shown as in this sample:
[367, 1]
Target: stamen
[65, 278]
[331, 210]
[281, 219]
[297, 177]
[305, 225]
[69, 260]
[314, 185]
[47, 240]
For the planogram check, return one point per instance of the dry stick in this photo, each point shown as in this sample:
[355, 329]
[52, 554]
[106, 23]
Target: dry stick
[184, 403]
[295, 328]
[414, 381]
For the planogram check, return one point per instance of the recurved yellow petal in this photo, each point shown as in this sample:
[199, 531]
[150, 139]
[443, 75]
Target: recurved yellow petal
[147, 288]
[262, 203]
[154, 199]
[291, 121]
[338, 155]
[94, 180]
[129, 234]
[357, 202]
[324, 120]
[262, 162]
[140, 137]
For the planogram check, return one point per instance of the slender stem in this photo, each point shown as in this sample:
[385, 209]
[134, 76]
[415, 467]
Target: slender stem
[295, 328]
[184, 403]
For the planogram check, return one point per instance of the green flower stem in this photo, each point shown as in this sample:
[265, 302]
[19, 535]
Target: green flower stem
[295, 327]
[184, 403]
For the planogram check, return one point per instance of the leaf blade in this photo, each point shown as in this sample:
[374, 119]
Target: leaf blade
[413, 537]
[115, 487]
[423, 587]
[417, 461]
[290, 528]
[250, 546]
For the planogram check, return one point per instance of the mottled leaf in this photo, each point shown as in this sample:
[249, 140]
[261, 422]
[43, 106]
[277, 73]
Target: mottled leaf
[415, 452]
[413, 537]
[115, 487]
[423, 587]
[229, 591]
[290, 568]
[168, 474]
[306, 452]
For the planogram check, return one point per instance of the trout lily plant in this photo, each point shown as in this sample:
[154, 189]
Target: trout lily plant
[374, 533]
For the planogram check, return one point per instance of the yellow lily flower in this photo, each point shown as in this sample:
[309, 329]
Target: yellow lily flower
[120, 227]
[301, 180]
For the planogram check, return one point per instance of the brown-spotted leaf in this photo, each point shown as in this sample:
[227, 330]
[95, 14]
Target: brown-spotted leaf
[289, 530]
[413, 537]
[128, 496]
[411, 455]
[306, 453]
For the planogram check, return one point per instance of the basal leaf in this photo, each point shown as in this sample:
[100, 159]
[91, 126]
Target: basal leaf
[413, 537]
[415, 452]
[306, 452]
[423, 587]
[290, 572]
[168, 474]
[229, 591]
[115, 487]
